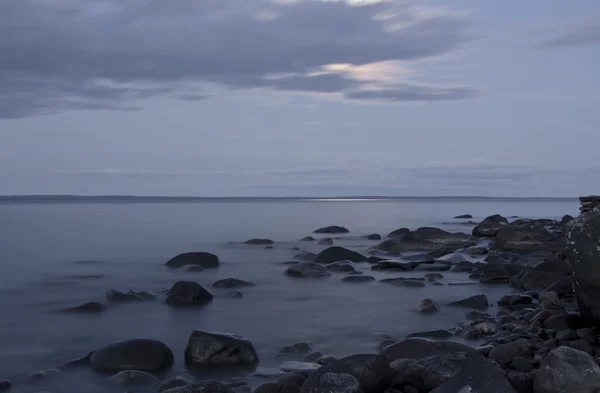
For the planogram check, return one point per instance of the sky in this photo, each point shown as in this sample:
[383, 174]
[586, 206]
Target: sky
[300, 97]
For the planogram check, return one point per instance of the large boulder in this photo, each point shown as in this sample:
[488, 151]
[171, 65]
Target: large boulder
[202, 259]
[219, 349]
[525, 237]
[336, 254]
[188, 293]
[307, 270]
[113, 295]
[332, 229]
[490, 226]
[567, 370]
[424, 239]
[259, 242]
[331, 383]
[419, 348]
[372, 371]
[146, 355]
[583, 251]
[478, 302]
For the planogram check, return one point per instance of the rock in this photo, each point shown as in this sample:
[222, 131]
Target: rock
[307, 270]
[191, 268]
[332, 229]
[331, 383]
[432, 267]
[45, 375]
[463, 267]
[313, 357]
[398, 232]
[113, 295]
[288, 263]
[372, 371]
[219, 349]
[418, 348]
[504, 353]
[306, 256]
[490, 226]
[342, 266]
[564, 286]
[276, 387]
[228, 283]
[476, 250]
[567, 370]
[434, 276]
[478, 302]
[441, 333]
[146, 355]
[188, 293]
[565, 220]
[461, 283]
[358, 278]
[91, 307]
[299, 347]
[567, 321]
[299, 366]
[308, 239]
[133, 377]
[259, 242]
[4, 385]
[423, 239]
[269, 247]
[408, 283]
[474, 315]
[202, 259]
[583, 251]
[548, 296]
[453, 257]
[492, 273]
[336, 254]
[326, 241]
[521, 364]
[525, 237]
[485, 329]
[373, 236]
[427, 306]
[521, 381]
[201, 387]
[175, 382]
[464, 216]
[533, 279]
[582, 345]
[511, 300]
[386, 343]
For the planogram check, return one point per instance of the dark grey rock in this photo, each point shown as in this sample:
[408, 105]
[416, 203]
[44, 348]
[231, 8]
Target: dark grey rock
[398, 232]
[361, 278]
[463, 267]
[188, 293]
[201, 387]
[476, 250]
[44, 376]
[408, 283]
[525, 237]
[313, 357]
[432, 267]
[511, 300]
[582, 345]
[434, 276]
[478, 302]
[494, 273]
[228, 283]
[202, 259]
[293, 366]
[175, 382]
[441, 333]
[299, 347]
[565, 220]
[304, 255]
[219, 349]
[373, 236]
[332, 229]
[90, 307]
[490, 226]
[567, 370]
[326, 241]
[504, 353]
[563, 286]
[461, 283]
[521, 381]
[146, 355]
[4, 385]
[308, 239]
[423, 239]
[336, 253]
[342, 266]
[464, 216]
[418, 348]
[520, 363]
[113, 295]
[474, 315]
[331, 383]
[259, 242]
[394, 265]
[133, 377]
[427, 306]
[307, 270]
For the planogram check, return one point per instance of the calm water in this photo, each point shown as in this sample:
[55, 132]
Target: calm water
[56, 255]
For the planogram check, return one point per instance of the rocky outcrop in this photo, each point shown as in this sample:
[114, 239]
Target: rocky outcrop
[490, 226]
[188, 293]
[526, 236]
[332, 229]
[583, 252]
[202, 259]
[336, 253]
[219, 349]
[146, 355]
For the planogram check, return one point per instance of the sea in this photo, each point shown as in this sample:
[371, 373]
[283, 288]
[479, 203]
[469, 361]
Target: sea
[60, 252]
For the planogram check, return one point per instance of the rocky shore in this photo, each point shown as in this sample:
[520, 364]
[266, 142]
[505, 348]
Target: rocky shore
[544, 338]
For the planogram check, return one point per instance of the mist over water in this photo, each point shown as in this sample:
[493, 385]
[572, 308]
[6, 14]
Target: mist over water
[57, 255]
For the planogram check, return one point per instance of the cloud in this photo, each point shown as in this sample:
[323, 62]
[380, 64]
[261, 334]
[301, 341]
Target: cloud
[406, 92]
[582, 33]
[109, 54]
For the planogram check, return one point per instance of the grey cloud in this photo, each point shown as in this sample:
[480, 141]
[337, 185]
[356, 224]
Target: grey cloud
[588, 34]
[407, 92]
[54, 52]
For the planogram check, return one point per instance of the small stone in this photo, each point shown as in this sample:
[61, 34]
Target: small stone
[232, 283]
[427, 306]
[259, 242]
[308, 239]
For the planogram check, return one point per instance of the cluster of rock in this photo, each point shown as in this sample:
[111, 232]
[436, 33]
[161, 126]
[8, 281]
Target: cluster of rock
[588, 203]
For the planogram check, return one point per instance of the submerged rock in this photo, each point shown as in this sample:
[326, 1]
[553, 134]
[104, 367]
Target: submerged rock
[113, 295]
[332, 229]
[188, 293]
[133, 377]
[373, 236]
[307, 270]
[360, 278]
[308, 239]
[44, 375]
[464, 216]
[259, 242]
[326, 241]
[91, 307]
[398, 232]
[305, 256]
[490, 226]
[201, 387]
[219, 349]
[202, 259]
[478, 302]
[427, 306]
[146, 355]
[299, 347]
[423, 239]
[336, 254]
[342, 266]
[419, 348]
[232, 283]
[567, 370]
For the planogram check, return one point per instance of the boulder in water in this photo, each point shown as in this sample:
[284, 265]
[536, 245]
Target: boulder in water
[360, 278]
[228, 283]
[299, 347]
[326, 241]
[398, 232]
[477, 302]
[342, 266]
[219, 349]
[307, 270]
[525, 237]
[188, 293]
[201, 387]
[336, 253]
[259, 242]
[308, 239]
[133, 377]
[202, 259]
[332, 229]
[304, 255]
[464, 216]
[423, 239]
[490, 226]
[373, 236]
[90, 307]
[113, 295]
[4, 385]
[146, 355]
[427, 306]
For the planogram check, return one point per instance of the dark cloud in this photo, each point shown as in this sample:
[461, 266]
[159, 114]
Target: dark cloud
[588, 34]
[54, 52]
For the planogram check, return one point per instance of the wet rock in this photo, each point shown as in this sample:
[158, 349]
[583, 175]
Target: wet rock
[44, 375]
[418, 348]
[463, 267]
[427, 306]
[408, 283]
[202, 259]
[432, 267]
[386, 343]
[567, 321]
[464, 216]
[188, 293]
[372, 371]
[494, 273]
[331, 383]
[201, 387]
[563, 286]
[441, 333]
[336, 253]
[521, 381]
[525, 237]
[313, 357]
[91, 307]
[308, 239]
[299, 366]
[565, 220]
[454, 258]
[434, 276]
[175, 382]
[490, 226]
[228, 283]
[476, 250]
[548, 296]
[259, 242]
[373, 236]
[461, 283]
[567, 370]
[133, 377]
[484, 329]
[504, 353]
[342, 266]
[478, 302]
[306, 256]
[113, 295]
[299, 347]
[533, 279]
[511, 300]
[219, 349]
[423, 239]
[477, 315]
[326, 241]
[358, 278]
[521, 364]
[307, 270]
[398, 232]
[332, 229]
[146, 355]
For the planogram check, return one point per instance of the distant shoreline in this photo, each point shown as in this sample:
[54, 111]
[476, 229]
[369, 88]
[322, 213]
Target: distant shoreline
[156, 199]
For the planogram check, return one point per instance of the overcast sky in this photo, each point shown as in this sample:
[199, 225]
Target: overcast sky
[300, 97]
